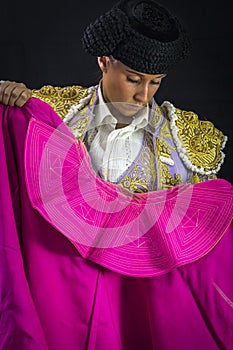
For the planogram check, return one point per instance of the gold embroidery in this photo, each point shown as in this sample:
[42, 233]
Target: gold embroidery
[201, 140]
[60, 99]
[142, 176]
[195, 179]
[79, 125]
[155, 115]
[164, 149]
[168, 180]
[165, 133]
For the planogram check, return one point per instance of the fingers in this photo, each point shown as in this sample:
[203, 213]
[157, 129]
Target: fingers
[6, 90]
[14, 94]
[23, 96]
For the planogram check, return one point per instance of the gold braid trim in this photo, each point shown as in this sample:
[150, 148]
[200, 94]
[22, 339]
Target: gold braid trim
[61, 99]
[198, 142]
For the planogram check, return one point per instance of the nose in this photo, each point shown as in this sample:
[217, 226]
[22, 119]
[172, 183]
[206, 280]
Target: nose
[142, 94]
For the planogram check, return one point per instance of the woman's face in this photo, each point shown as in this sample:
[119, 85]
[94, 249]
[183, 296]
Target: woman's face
[126, 90]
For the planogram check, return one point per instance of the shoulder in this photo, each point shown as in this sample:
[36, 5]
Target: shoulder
[61, 99]
[198, 142]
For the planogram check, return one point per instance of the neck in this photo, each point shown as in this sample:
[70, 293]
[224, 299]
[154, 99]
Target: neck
[120, 126]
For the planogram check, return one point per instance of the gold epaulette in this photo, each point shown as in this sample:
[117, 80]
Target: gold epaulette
[198, 142]
[61, 99]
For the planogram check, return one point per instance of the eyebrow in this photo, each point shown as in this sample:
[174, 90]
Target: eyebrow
[142, 75]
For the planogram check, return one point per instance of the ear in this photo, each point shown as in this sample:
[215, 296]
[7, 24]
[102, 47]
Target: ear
[103, 63]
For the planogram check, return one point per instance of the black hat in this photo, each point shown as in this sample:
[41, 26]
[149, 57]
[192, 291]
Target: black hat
[141, 34]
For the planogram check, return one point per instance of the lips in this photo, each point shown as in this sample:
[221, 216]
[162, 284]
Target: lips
[134, 106]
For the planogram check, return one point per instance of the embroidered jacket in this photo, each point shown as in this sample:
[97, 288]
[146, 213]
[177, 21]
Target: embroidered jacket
[178, 147]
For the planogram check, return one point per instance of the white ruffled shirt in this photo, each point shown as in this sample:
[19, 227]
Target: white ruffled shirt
[114, 150]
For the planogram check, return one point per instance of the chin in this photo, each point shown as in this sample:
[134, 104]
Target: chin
[124, 109]
[130, 111]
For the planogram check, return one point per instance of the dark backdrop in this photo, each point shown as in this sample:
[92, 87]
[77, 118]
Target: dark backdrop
[41, 44]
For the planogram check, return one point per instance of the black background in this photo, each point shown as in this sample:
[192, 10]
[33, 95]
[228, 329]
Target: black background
[41, 44]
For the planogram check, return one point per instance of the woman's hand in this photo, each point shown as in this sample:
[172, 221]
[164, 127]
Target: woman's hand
[13, 93]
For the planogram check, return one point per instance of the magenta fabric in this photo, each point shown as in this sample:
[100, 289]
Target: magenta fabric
[58, 293]
[133, 234]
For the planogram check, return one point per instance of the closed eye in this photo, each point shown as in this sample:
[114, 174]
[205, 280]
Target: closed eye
[138, 81]
[133, 80]
[156, 82]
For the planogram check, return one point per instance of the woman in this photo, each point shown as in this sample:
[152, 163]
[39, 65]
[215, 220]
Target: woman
[89, 264]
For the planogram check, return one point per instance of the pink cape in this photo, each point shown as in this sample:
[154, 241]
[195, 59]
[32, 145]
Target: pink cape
[87, 265]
